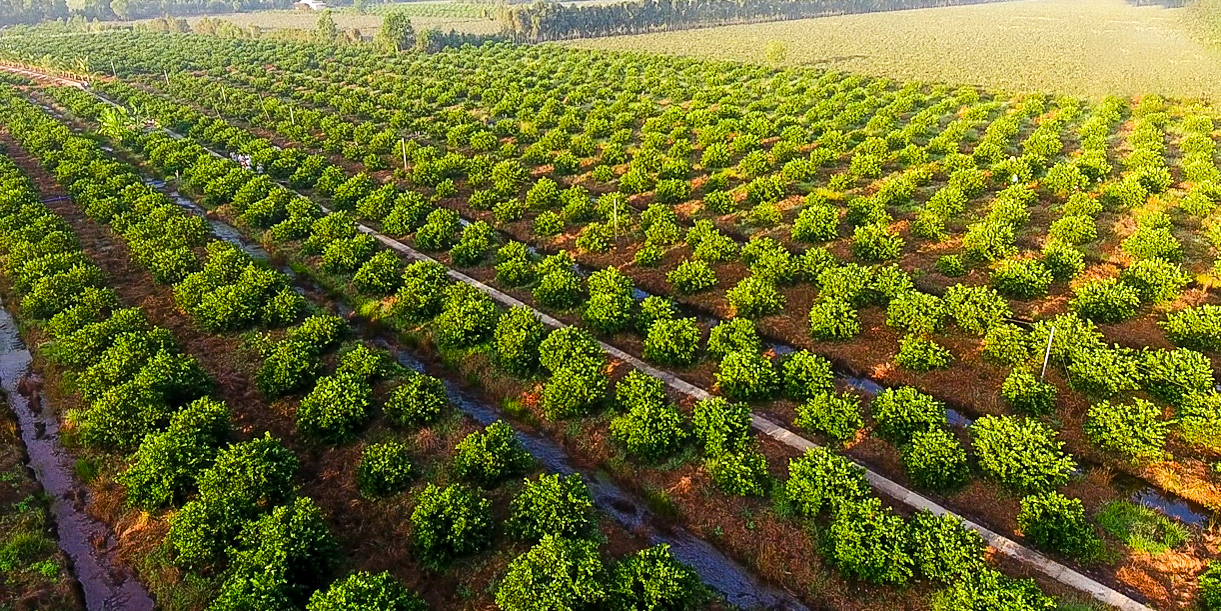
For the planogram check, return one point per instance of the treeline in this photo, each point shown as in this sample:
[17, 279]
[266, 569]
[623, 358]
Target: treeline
[543, 21]
[15, 12]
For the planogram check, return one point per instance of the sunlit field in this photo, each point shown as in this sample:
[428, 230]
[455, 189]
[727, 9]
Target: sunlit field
[1082, 47]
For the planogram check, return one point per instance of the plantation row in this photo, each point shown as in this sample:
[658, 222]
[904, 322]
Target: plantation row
[916, 313]
[649, 427]
[1053, 469]
[229, 521]
[801, 371]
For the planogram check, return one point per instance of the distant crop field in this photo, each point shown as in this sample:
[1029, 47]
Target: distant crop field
[1090, 48]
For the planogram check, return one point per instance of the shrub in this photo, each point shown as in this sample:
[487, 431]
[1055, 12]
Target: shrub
[653, 579]
[733, 335]
[422, 292]
[385, 468]
[834, 320]
[1153, 242]
[1105, 300]
[369, 592]
[246, 477]
[556, 573]
[639, 390]
[1020, 453]
[1200, 419]
[595, 237]
[468, 318]
[988, 589]
[935, 460]
[574, 389]
[901, 412]
[1027, 394]
[1196, 327]
[846, 283]
[816, 223]
[691, 276]
[875, 242]
[559, 289]
[921, 354]
[1155, 280]
[649, 430]
[951, 265]
[369, 364]
[672, 341]
[548, 224]
[976, 308]
[747, 376]
[167, 464]
[820, 478]
[439, 231]
[418, 400]
[806, 375]
[755, 297]
[518, 335]
[450, 522]
[1058, 523]
[942, 549]
[337, 406]
[1021, 279]
[1134, 431]
[742, 472]
[915, 313]
[838, 417]
[477, 239]
[608, 313]
[567, 345]
[288, 551]
[379, 275]
[553, 505]
[868, 542]
[721, 426]
[1074, 229]
[1063, 261]
[491, 456]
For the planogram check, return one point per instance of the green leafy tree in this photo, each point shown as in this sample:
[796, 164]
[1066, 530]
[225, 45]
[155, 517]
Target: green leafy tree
[417, 401]
[653, 579]
[366, 591]
[385, 468]
[1056, 522]
[747, 376]
[821, 479]
[672, 341]
[396, 33]
[555, 575]
[336, 408]
[518, 335]
[1020, 453]
[837, 416]
[1135, 431]
[943, 549]
[553, 505]
[902, 412]
[869, 543]
[935, 460]
[491, 456]
[450, 522]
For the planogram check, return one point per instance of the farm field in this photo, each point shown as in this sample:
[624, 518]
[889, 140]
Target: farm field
[716, 289]
[1088, 48]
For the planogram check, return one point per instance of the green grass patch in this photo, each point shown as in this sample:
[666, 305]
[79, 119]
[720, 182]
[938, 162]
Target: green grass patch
[1142, 528]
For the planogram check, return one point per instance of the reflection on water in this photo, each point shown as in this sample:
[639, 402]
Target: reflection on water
[107, 586]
